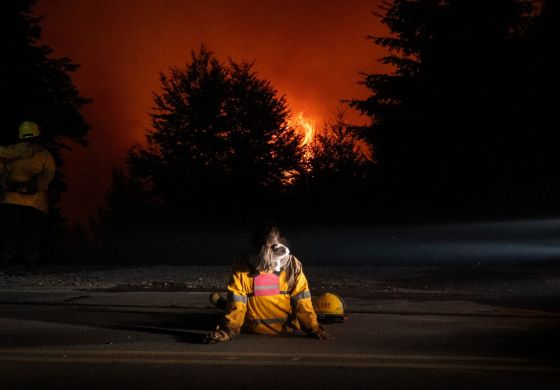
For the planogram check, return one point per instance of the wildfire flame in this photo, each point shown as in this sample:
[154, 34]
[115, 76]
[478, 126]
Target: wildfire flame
[308, 129]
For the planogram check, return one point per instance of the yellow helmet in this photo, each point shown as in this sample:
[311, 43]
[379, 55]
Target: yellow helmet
[329, 308]
[28, 129]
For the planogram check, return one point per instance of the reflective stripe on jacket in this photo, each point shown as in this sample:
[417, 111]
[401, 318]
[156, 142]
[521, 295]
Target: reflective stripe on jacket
[263, 302]
[23, 162]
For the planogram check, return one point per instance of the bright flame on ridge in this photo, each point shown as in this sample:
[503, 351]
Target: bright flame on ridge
[307, 126]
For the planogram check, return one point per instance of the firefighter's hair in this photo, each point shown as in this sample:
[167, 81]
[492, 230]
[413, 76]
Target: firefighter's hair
[266, 237]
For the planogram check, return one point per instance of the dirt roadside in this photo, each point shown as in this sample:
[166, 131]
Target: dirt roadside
[506, 281]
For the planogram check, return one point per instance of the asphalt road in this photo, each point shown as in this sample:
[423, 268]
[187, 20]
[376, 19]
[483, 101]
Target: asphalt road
[152, 341]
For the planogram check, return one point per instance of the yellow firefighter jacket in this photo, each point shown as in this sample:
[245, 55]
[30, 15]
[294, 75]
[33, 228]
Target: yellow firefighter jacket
[264, 303]
[25, 162]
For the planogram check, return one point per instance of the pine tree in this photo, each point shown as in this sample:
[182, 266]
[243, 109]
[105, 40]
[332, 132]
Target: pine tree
[443, 120]
[336, 176]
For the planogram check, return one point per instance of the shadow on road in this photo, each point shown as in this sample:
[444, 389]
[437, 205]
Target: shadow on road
[185, 328]
[102, 326]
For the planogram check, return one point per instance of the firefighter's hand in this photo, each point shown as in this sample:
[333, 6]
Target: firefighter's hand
[322, 334]
[217, 336]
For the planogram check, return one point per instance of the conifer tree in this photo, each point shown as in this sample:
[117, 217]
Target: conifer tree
[336, 176]
[443, 120]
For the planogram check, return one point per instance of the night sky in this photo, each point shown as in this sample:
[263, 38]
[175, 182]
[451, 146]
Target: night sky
[312, 51]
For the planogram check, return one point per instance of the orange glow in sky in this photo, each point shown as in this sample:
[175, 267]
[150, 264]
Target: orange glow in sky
[310, 50]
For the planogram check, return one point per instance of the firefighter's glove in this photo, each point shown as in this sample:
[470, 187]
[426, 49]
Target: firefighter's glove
[217, 336]
[322, 334]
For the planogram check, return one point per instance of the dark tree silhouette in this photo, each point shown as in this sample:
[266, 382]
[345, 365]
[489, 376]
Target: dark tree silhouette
[36, 86]
[446, 121]
[335, 179]
[336, 149]
[125, 206]
[539, 66]
[220, 140]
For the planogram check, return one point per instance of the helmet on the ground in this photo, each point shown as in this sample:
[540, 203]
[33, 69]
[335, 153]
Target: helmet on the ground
[28, 129]
[329, 308]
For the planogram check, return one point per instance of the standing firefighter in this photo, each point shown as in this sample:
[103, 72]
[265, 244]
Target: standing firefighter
[26, 170]
[268, 292]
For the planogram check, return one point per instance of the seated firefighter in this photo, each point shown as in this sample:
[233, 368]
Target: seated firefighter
[267, 293]
[26, 170]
